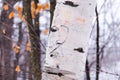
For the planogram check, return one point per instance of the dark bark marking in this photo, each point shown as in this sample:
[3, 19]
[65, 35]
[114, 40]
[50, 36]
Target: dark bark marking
[58, 42]
[87, 69]
[79, 50]
[54, 29]
[51, 55]
[90, 4]
[57, 66]
[70, 3]
[53, 73]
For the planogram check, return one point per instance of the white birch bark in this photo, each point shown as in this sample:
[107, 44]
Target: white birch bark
[72, 26]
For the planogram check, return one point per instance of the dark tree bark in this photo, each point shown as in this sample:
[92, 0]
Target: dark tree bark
[33, 36]
[52, 8]
[87, 70]
[97, 46]
[30, 67]
[36, 21]
[6, 44]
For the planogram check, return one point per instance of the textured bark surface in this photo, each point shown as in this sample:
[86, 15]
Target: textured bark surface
[68, 40]
[34, 40]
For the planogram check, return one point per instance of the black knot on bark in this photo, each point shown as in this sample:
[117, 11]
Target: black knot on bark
[70, 3]
[79, 50]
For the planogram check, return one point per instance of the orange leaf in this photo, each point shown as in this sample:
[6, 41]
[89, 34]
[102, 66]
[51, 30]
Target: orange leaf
[11, 15]
[46, 6]
[33, 15]
[45, 32]
[33, 4]
[5, 7]
[16, 49]
[19, 9]
[17, 69]
[39, 7]
[33, 9]
[28, 46]
[37, 11]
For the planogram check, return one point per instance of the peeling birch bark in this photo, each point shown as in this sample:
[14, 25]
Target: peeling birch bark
[68, 40]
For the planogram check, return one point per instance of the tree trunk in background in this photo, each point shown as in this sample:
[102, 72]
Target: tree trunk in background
[68, 40]
[36, 22]
[97, 45]
[52, 8]
[16, 62]
[6, 43]
[30, 67]
[33, 36]
[87, 69]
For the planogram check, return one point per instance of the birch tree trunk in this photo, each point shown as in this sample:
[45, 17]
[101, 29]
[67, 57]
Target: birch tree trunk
[68, 40]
